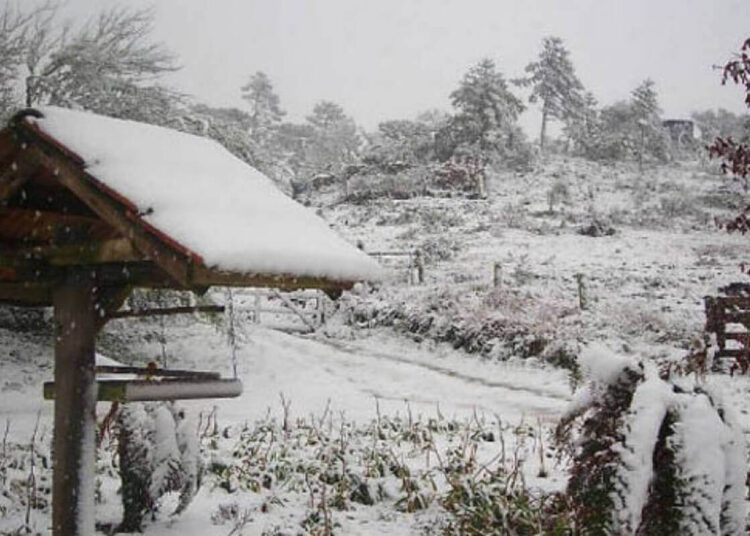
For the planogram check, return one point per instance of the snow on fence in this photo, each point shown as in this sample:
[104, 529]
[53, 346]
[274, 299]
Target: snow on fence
[414, 263]
[262, 305]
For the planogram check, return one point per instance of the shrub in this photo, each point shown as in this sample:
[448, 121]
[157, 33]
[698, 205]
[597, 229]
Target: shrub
[650, 455]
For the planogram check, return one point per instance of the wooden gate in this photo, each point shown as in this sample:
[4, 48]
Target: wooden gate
[729, 318]
[270, 306]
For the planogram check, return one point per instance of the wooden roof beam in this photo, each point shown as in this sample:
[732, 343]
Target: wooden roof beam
[26, 294]
[10, 182]
[116, 250]
[207, 277]
[78, 182]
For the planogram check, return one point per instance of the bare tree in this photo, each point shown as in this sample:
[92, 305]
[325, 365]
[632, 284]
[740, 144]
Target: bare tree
[15, 28]
[109, 65]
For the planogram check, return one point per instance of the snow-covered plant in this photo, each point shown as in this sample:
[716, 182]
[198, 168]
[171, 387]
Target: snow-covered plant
[652, 456]
[557, 193]
[486, 111]
[108, 65]
[159, 453]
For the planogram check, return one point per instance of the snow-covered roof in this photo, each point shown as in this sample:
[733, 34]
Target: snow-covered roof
[198, 194]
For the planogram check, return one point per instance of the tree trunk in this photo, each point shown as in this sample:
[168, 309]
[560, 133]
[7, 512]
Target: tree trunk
[543, 133]
[75, 410]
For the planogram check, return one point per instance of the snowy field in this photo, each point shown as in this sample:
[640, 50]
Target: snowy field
[353, 379]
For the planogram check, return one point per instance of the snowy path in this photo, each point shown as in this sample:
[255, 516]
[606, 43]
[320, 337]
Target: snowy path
[310, 372]
[352, 375]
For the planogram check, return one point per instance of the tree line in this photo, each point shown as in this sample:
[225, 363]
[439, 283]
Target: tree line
[111, 65]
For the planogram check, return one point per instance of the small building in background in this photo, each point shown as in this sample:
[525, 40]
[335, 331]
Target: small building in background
[681, 131]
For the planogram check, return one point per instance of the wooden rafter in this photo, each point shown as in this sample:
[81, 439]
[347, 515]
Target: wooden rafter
[166, 311]
[26, 294]
[88, 253]
[109, 300]
[206, 277]
[10, 183]
[76, 180]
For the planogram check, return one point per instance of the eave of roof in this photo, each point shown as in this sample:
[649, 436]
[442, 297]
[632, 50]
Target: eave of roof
[186, 268]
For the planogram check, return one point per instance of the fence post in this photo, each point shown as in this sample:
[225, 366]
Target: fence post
[256, 313]
[497, 274]
[419, 266]
[583, 300]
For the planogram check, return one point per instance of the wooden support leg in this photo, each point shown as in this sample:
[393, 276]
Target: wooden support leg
[75, 410]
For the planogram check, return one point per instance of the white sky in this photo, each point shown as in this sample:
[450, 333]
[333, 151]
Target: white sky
[386, 59]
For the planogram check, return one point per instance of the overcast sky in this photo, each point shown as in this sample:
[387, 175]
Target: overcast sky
[385, 59]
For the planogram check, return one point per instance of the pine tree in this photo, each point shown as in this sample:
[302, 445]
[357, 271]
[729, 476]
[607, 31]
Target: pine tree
[647, 114]
[265, 107]
[646, 102]
[554, 83]
[335, 142]
[486, 109]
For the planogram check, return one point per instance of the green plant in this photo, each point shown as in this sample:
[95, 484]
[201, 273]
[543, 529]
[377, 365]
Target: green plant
[652, 455]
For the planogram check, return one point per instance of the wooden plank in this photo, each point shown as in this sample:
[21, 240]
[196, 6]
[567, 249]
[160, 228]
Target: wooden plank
[732, 352]
[106, 251]
[740, 317]
[158, 372]
[205, 277]
[9, 185]
[80, 183]
[108, 300]
[301, 294]
[296, 310]
[148, 390]
[389, 253]
[167, 311]
[285, 311]
[75, 410]
[26, 294]
[742, 302]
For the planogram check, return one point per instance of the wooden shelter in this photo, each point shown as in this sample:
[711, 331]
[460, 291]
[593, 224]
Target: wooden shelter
[73, 238]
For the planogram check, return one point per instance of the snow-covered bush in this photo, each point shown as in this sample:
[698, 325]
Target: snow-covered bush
[159, 453]
[499, 324]
[652, 455]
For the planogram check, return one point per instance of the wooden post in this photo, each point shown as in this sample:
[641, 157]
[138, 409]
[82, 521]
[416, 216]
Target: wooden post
[256, 313]
[75, 409]
[286, 301]
[497, 274]
[583, 300]
[419, 265]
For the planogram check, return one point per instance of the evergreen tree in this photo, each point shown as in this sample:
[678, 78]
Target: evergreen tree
[554, 83]
[265, 107]
[646, 113]
[335, 142]
[645, 102]
[584, 128]
[486, 109]
[265, 115]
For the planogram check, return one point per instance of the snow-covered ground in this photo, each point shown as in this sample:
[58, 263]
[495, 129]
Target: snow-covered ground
[316, 375]
[645, 286]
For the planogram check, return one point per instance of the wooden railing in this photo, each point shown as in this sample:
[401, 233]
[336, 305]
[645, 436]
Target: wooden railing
[309, 306]
[728, 317]
[414, 263]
